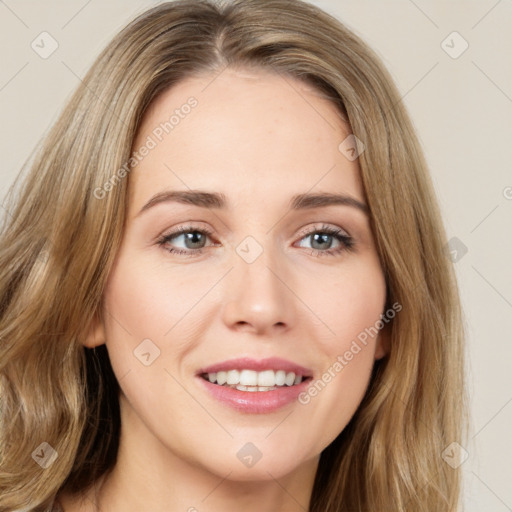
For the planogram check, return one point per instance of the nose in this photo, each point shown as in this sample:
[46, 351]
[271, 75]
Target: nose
[259, 298]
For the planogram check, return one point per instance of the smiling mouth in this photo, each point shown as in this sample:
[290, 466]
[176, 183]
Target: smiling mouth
[251, 380]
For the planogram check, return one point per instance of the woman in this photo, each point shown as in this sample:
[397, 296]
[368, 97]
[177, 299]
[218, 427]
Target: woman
[174, 334]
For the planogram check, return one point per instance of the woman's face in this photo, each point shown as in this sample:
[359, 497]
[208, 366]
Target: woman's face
[256, 275]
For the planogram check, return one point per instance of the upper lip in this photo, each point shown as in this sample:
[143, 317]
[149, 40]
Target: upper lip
[259, 365]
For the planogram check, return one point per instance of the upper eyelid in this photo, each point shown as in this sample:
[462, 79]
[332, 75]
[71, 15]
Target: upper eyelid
[327, 227]
[304, 232]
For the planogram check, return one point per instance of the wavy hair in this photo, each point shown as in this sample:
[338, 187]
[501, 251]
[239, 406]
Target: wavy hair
[60, 238]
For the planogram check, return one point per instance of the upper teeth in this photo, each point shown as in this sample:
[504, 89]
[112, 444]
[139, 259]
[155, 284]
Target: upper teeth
[268, 378]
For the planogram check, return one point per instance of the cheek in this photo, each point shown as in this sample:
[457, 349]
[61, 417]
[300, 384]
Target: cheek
[350, 306]
[142, 303]
[143, 318]
[136, 319]
[147, 312]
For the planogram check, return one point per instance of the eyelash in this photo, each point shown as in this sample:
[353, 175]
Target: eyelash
[347, 242]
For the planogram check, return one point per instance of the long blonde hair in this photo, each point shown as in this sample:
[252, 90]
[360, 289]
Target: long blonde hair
[60, 237]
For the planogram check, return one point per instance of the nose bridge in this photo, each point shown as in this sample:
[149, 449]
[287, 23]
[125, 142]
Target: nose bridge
[257, 294]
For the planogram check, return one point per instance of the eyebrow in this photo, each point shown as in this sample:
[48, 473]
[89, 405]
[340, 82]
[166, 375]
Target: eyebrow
[217, 200]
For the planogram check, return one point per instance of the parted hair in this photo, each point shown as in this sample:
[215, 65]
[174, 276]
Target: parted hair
[59, 240]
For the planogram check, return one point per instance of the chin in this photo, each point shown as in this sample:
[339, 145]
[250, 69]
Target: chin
[247, 463]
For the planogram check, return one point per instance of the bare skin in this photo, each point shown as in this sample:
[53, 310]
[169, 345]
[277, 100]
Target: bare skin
[259, 140]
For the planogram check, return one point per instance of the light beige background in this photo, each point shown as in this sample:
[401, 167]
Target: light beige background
[461, 107]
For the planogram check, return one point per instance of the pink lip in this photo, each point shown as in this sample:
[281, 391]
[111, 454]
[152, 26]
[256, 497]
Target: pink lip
[246, 363]
[256, 402]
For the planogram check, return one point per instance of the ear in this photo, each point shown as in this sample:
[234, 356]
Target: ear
[96, 335]
[383, 342]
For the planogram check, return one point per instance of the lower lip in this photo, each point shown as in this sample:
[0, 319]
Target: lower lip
[256, 402]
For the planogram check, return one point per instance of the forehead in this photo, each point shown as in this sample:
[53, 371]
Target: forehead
[251, 133]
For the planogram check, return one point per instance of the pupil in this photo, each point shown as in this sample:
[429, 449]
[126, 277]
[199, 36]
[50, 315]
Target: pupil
[323, 236]
[194, 237]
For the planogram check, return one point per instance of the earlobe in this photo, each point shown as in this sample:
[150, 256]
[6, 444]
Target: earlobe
[383, 343]
[96, 335]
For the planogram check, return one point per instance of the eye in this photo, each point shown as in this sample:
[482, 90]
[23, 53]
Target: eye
[194, 239]
[323, 238]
